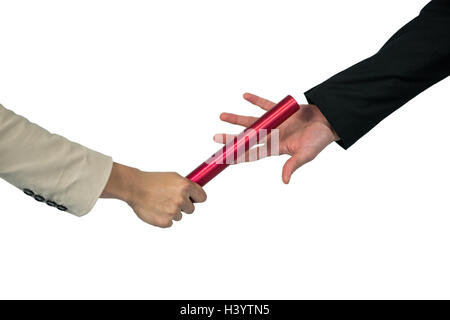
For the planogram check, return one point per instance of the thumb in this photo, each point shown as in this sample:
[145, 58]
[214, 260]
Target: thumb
[292, 164]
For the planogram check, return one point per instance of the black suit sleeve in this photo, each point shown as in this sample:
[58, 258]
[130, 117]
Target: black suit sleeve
[415, 58]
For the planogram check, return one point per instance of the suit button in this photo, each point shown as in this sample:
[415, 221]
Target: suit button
[39, 198]
[28, 192]
[62, 208]
[51, 203]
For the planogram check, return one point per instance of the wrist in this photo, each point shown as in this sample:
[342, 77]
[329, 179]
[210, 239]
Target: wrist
[335, 135]
[120, 183]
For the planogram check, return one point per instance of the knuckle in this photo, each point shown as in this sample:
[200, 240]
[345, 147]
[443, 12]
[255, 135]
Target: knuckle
[200, 196]
[185, 184]
[190, 209]
[178, 202]
[173, 209]
[175, 175]
[182, 200]
[166, 224]
[175, 215]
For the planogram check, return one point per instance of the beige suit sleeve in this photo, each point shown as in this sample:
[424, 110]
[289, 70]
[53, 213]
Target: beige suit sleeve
[50, 168]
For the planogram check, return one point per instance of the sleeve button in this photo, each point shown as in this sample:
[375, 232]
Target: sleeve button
[51, 203]
[61, 207]
[39, 198]
[28, 192]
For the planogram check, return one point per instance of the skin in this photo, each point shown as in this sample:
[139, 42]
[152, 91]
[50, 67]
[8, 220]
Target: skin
[303, 136]
[158, 198]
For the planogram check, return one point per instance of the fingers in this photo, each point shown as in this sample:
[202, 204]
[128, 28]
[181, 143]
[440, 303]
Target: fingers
[167, 224]
[184, 205]
[295, 162]
[187, 207]
[189, 190]
[165, 221]
[177, 217]
[247, 121]
[163, 196]
[195, 192]
[232, 118]
[258, 101]
[159, 220]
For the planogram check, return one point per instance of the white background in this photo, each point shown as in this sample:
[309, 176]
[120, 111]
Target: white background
[145, 82]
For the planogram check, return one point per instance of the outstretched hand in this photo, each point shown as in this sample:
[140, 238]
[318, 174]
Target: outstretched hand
[303, 136]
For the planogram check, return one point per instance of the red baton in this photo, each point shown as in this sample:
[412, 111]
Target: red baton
[244, 141]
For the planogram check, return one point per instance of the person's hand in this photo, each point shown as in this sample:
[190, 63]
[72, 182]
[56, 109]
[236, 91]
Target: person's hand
[303, 136]
[157, 198]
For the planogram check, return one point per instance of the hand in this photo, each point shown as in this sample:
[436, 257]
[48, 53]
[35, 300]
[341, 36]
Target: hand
[303, 136]
[156, 197]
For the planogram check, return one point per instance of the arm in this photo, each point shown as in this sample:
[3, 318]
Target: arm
[349, 104]
[49, 167]
[413, 59]
[71, 177]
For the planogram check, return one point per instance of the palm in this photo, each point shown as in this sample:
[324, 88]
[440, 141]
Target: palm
[303, 136]
[306, 131]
